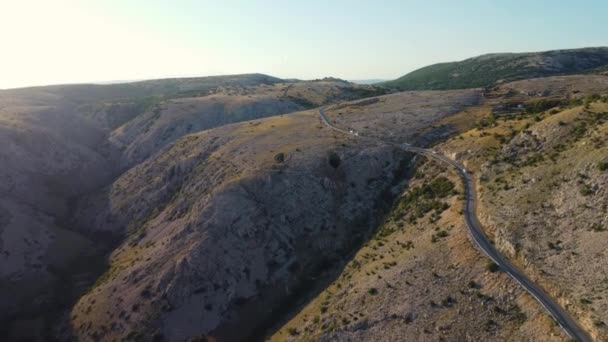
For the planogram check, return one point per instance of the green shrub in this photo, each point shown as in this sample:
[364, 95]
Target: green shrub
[334, 160]
[541, 105]
[442, 234]
[575, 102]
[492, 267]
[579, 130]
[279, 157]
[597, 227]
[533, 160]
[602, 166]
[440, 187]
[517, 315]
[586, 190]
[489, 121]
[591, 98]
[304, 102]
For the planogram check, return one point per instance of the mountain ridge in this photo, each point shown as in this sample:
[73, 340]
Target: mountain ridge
[487, 69]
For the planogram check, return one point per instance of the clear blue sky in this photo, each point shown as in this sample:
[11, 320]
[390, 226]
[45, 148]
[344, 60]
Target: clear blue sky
[65, 41]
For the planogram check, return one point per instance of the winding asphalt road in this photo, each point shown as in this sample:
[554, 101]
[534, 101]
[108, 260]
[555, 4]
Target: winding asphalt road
[566, 322]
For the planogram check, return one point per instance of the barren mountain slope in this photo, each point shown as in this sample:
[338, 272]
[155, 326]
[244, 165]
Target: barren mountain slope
[544, 199]
[227, 231]
[420, 279]
[49, 154]
[167, 121]
[225, 225]
[556, 86]
[413, 117]
[90, 94]
[542, 189]
[56, 149]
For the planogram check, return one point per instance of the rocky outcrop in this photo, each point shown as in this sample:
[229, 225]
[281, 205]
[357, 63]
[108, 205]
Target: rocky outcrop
[218, 229]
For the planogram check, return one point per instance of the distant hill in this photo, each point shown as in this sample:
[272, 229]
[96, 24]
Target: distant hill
[487, 69]
[368, 81]
[169, 87]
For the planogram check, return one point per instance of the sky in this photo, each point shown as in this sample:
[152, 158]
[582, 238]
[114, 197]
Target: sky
[75, 41]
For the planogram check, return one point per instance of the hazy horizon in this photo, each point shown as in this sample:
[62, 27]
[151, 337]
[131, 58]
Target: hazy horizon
[71, 41]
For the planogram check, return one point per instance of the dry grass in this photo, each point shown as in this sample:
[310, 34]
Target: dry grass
[538, 212]
[415, 283]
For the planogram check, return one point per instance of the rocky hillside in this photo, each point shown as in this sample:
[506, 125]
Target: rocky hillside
[165, 88]
[227, 227]
[540, 168]
[62, 143]
[234, 213]
[542, 180]
[419, 279]
[417, 117]
[49, 155]
[488, 69]
[166, 121]
[224, 226]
